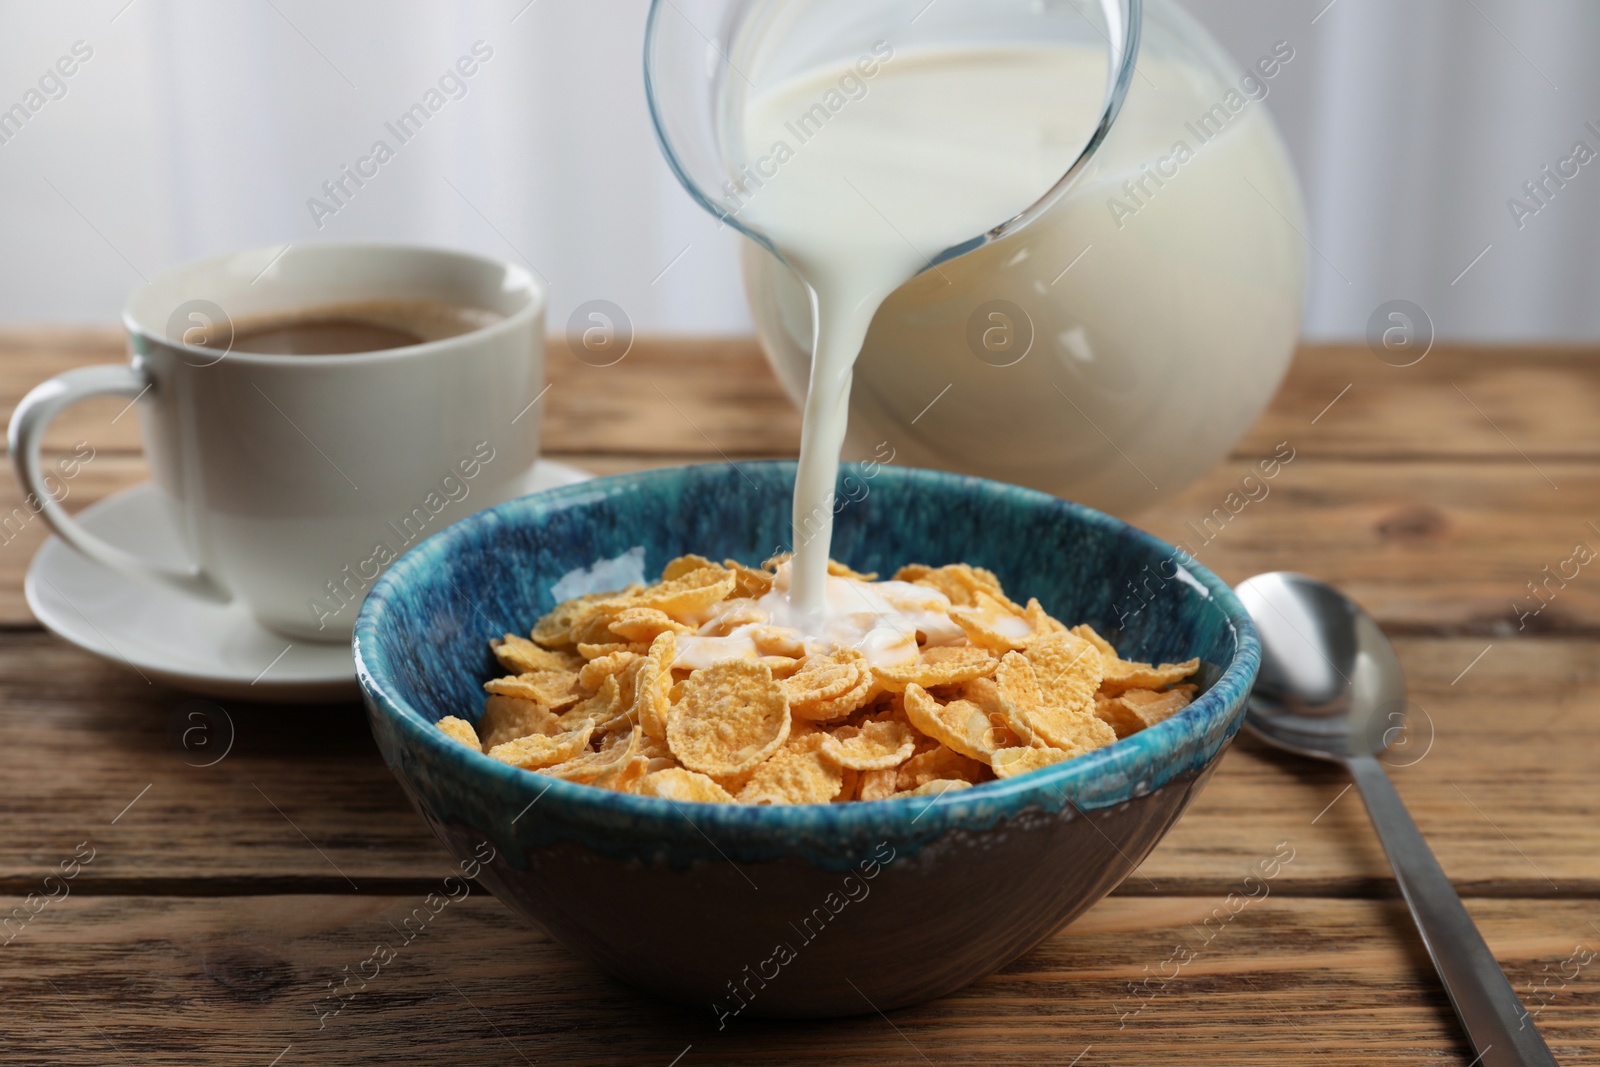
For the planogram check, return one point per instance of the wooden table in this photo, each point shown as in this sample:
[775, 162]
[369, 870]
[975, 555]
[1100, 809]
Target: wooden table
[221, 901]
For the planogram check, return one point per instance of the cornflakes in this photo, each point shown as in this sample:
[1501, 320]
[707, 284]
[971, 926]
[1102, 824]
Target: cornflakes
[644, 625]
[617, 691]
[542, 750]
[508, 718]
[681, 785]
[459, 730]
[554, 689]
[1014, 761]
[1121, 674]
[521, 656]
[829, 688]
[872, 746]
[1036, 716]
[960, 725]
[616, 751]
[799, 775]
[651, 702]
[694, 591]
[733, 715]
[938, 666]
[1138, 709]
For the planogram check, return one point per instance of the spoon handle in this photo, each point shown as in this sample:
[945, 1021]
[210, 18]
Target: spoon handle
[1500, 1028]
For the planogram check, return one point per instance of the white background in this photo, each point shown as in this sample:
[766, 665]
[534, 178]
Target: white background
[200, 127]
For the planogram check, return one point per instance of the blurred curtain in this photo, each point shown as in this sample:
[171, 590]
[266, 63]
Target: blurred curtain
[198, 127]
[1415, 125]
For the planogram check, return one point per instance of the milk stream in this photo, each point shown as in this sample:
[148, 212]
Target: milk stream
[939, 147]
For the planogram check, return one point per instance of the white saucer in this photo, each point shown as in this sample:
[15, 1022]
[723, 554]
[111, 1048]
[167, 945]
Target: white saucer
[167, 637]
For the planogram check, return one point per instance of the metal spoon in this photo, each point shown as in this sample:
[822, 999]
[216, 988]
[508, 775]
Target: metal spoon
[1330, 687]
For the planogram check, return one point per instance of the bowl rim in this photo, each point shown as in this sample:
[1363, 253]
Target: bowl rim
[1155, 747]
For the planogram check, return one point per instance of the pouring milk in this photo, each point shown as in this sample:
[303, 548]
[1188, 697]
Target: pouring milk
[941, 146]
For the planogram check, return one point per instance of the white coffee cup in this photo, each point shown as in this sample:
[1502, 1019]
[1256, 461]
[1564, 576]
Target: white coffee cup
[295, 478]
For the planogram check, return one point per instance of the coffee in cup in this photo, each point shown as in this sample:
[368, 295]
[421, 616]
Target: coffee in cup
[362, 326]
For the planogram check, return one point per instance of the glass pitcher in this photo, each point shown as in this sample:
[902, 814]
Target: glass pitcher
[1109, 344]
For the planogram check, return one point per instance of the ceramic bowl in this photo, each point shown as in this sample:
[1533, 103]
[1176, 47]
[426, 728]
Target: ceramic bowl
[814, 910]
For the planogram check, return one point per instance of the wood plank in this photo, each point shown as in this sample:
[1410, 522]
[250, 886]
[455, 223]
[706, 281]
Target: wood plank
[30, 354]
[706, 397]
[1460, 402]
[1428, 492]
[302, 797]
[22, 531]
[699, 396]
[198, 981]
[1426, 547]
[693, 396]
[1496, 768]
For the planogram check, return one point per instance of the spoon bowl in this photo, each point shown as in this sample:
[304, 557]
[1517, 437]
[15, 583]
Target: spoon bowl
[1330, 685]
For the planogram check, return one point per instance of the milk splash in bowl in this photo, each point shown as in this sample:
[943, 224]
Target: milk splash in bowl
[862, 169]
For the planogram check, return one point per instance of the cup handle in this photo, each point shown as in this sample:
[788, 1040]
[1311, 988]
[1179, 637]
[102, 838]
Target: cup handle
[28, 423]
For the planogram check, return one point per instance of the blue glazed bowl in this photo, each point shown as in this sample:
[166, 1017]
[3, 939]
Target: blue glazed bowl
[795, 911]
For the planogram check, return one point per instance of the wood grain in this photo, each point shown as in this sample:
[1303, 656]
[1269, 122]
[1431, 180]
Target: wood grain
[691, 397]
[1490, 496]
[192, 981]
[699, 396]
[1443, 548]
[1461, 402]
[302, 795]
[223, 899]
[1426, 547]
